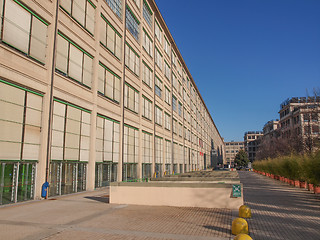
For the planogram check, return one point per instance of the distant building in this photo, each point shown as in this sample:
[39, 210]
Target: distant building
[251, 143]
[231, 149]
[300, 115]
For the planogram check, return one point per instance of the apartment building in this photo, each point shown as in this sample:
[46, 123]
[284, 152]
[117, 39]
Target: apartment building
[251, 143]
[93, 91]
[231, 150]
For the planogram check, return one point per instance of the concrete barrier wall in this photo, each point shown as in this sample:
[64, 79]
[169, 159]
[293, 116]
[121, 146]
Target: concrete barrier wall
[207, 195]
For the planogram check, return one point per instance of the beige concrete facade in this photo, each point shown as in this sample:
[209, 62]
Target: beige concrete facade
[251, 143]
[88, 97]
[231, 150]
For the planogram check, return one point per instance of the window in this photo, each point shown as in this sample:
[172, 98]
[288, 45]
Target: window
[108, 83]
[116, 6]
[70, 132]
[23, 29]
[175, 126]
[159, 150]
[158, 58]
[166, 69]
[173, 56]
[147, 13]
[132, 23]
[158, 86]
[147, 147]
[131, 144]
[158, 32]
[174, 81]
[73, 61]
[174, 103]
[180, 108]
[167, 95]
[147, 108]
[131, 98]
[180, 129]
[107, 140]
[166, 46]
[147, 43]
[82, 11]
[168, 152]
[20, 122]
[132, 60]
[158, 119]
[110, 38]
[147, 74]
[167, 121]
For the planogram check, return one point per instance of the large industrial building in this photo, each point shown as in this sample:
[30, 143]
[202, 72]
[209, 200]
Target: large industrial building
[93, 91]
[231, 150]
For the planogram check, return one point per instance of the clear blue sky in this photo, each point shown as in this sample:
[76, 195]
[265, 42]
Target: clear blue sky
[247, 56]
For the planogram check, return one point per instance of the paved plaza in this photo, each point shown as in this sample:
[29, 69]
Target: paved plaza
[280, 211]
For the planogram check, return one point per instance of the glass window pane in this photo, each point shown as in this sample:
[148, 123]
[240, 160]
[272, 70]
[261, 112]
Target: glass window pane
[62, 54]
[16, 26]
[90, 18]
[66, 4]
[75, 63]
[110, 39]
[87, 70]
[78, 10]
[38, 40]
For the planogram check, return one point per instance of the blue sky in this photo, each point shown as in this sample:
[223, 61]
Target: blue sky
[247, 56]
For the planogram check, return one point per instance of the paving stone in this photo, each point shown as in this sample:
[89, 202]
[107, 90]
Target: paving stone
[280, 211]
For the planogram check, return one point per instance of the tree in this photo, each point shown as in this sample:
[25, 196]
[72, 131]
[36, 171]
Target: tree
[241, 159]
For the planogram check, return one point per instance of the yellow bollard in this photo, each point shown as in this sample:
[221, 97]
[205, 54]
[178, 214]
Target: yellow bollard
[242, 236]
[239, 225]
[244, 212]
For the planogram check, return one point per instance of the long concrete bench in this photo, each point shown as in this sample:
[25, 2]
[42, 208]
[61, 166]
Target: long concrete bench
[179, 194]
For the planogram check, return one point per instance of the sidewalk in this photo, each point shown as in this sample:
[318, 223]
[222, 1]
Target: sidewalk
[89, 216]
[280, 211]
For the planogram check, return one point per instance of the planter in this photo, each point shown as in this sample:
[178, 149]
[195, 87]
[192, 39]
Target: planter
[297, 183]
[316, 189]
[303, 184]
[310, 187]
[291, 182]
[272, 176]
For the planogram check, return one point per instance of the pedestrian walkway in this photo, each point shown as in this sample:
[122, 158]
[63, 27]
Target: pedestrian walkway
[280, 211]
[89, 216]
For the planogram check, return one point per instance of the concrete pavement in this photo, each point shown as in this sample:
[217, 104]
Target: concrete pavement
[89, 216]
[280, 211]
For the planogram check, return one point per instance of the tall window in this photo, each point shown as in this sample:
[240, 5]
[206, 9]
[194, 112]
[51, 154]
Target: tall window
[132, 59]
[166, 46]
[158, 112]
[158, 155]
[131, 98]
[73, 61]
[137, 2]
[20, 123]
[180, 88]
[132, 23]
[167, 95]
[158, 86]
[147, 74]
[147, 13]
[167, 121]
[166, 69]
[23, 29]
[107, 140]
[174, 103]
[158, 32]
[168, 152]
[147, 147]
[109, 83]
[70, 132]
[174, 81]
[175, 126]
[158, 58]
[147, 108]
[147, 43]
[180, 108]
[131, 152]
[116, 6]
[110, 38]
[174, 57]
[82, 11]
